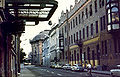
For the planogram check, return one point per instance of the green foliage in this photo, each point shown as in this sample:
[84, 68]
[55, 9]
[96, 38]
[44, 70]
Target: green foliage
[22, 55]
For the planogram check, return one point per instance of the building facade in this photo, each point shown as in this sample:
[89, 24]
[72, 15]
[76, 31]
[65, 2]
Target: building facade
[92, 26]
[36, 44]
[45, 52]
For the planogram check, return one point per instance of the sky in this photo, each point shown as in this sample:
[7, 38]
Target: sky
[32, 31]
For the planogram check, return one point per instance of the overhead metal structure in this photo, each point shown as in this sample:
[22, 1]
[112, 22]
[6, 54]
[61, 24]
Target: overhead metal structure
[31, 10]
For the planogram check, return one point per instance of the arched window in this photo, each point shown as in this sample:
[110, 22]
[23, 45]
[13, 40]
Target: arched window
[114, 9]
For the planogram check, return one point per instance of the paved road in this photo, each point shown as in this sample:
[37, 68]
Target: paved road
[50, 72]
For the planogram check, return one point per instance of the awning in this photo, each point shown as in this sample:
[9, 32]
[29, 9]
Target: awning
[31, 10]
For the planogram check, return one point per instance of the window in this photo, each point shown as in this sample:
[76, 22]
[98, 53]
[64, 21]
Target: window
[91, 29]
[65, 29]
[78, 57]
[65, 41]
[115, 15]
[100, 5]
[102, 2]
[80, 34]
[95, 5]
[105, 46]
[91, 10]
[71, 39]
[74, 38]
[88, 54]
[96, 23]
[102, 47]
[77, 36]
[86, 13]
[75, 55]
[73, 23]
[119, 44]
[87, 31]
[76, 21]
[83, 33]
[79, 19]
[83, 15]
[104, 26]
[101, 27]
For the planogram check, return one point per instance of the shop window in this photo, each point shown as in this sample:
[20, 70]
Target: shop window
[119, 45]
[88, 54]
[75, 56]
[78, 57]
[105, 46]
[102, 47]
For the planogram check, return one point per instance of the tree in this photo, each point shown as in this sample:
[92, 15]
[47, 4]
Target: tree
[22, 55]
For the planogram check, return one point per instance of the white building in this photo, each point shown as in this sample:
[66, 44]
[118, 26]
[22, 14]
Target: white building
[46, 53]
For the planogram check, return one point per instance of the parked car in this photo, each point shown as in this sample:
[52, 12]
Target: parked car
[115, 72]
[58, 66]
[77, 67]
[67, 67]
[53, 66]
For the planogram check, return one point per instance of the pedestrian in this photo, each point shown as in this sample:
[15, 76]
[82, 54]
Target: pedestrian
[89, 68]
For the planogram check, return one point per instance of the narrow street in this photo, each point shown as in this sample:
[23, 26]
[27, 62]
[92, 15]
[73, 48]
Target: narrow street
[32, 71]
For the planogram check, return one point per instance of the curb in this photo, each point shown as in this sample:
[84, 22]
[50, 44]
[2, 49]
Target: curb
[99, 72]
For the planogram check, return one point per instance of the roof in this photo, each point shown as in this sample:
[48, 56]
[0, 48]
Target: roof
[40, 37]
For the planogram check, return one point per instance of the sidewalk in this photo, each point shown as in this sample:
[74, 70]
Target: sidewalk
[25, 72]
[100, 72]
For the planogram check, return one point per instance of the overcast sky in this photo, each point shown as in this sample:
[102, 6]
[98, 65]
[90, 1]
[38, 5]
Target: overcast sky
[32, 31]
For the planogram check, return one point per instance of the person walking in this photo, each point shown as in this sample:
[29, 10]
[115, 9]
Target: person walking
[89, 68]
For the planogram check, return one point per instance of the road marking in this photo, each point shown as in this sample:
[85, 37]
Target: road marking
[59, 74]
